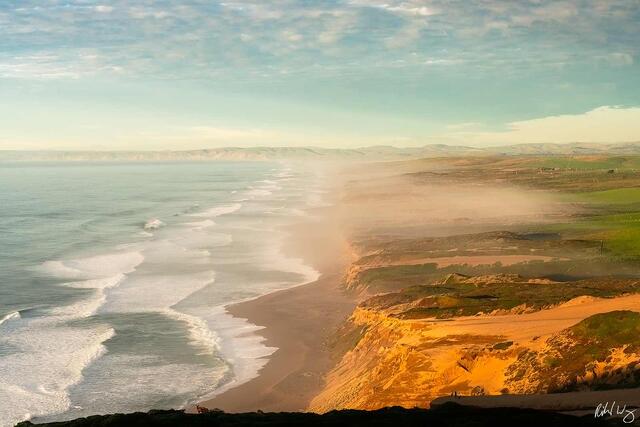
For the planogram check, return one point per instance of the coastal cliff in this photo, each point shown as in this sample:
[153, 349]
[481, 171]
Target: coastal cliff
[397, 362]
[485, 335]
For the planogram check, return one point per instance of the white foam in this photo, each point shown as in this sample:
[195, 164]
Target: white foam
[199, 225]
[153, 224]
[11, 316]
[89, 306]
[269, 184]
[100, 266]
[284, 173]
[160, 292]
[199, 332]
[218, 210]
[35, 380]
[199, 240]
[47, 355]
[283, 210]
[155, 293]
[45, 391]
[258, 192]
[276, 260]
[266, 188]
[238, 340]
[157, 384]
[241, 347]
[100, 284]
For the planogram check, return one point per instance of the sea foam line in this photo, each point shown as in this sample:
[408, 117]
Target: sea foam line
[241, 347]
[239, 342]
[218, 210]
[199, 331]
[10, 316]
[153, 224]
[95, 267]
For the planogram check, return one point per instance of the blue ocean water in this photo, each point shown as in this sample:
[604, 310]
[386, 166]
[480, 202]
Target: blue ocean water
[114, 278]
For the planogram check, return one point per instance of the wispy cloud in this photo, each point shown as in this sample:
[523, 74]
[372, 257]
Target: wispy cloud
[409, 8]
[148, 37]
[605, 124]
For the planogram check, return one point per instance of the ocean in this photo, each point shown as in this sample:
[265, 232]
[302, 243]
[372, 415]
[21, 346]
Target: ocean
[114, 278]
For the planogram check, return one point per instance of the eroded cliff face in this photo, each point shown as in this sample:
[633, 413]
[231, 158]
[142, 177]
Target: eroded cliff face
[402, 363]
[395, 361]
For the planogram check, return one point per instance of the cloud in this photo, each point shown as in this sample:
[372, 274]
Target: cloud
[606, 124]
[466, 126]
[410, 8]
[619, 58]
[335, 28]
[202, 38]
[55, 66]
[101, 8]
[292, 36]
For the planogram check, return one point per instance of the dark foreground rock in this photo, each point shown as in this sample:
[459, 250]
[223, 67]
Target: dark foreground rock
[449, 414]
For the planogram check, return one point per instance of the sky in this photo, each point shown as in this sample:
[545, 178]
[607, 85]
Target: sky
[159, 74]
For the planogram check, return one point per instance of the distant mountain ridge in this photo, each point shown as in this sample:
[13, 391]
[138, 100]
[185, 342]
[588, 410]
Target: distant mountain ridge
[318, 153]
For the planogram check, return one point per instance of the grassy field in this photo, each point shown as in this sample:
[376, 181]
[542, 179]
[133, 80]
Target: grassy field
[591, 163]
[562, 174]
[618, 196]
[619, 233]
[467, 297]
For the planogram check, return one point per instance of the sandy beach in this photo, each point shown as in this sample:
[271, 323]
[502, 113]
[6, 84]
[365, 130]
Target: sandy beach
[298, 322]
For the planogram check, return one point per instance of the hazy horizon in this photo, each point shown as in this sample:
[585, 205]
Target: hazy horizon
[445, 146]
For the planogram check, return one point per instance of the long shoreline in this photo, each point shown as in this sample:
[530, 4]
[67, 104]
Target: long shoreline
[297, 321]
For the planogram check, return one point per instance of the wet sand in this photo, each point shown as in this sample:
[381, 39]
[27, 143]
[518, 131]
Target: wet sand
[298, 322]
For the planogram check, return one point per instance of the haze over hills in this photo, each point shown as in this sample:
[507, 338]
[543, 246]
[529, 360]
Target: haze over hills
[246, 153]
[364, 153]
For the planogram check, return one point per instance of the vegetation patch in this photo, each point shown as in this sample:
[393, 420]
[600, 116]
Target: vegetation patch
[582, 356]
[469, 298]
